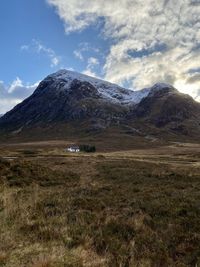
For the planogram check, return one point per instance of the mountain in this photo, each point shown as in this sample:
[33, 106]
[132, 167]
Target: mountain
[169, 111]
[162, 107]
[68, 96]
[68, 103]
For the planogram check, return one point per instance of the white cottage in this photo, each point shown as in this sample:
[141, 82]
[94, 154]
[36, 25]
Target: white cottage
[73, 149]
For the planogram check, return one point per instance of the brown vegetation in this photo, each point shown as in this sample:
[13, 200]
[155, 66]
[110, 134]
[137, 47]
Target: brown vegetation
[98, 210]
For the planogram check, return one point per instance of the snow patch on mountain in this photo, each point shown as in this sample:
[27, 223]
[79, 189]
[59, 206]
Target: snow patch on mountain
[106, 90]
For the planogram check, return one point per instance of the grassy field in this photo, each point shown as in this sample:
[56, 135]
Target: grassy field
[137, 208]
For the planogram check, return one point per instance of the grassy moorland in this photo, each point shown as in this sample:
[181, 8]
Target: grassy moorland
[122, 209]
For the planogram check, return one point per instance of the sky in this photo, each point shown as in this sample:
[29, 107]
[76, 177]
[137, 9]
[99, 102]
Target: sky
[133, 43]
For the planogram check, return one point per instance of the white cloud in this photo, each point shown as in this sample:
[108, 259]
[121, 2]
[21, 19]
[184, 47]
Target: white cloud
[24, 48]
[91, 73]
[78, 54]
[13, 94]
[152, 40]
[39, 48]
[55, 61]
[92, 61]
[15, 84]
[85, 48]
[8, 104]
[91, 64]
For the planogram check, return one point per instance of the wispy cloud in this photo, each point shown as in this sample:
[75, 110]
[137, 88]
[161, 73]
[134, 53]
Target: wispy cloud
[92, 62]
[90, 72]
[24, 47]
[78, 54]
[38, 47]
[90, 69]
[152, 40]
[83, 49]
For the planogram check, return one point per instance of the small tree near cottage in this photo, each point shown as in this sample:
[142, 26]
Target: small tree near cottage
[87, 148]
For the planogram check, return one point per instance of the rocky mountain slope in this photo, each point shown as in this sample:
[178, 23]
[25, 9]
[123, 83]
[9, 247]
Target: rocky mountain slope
[89, 104]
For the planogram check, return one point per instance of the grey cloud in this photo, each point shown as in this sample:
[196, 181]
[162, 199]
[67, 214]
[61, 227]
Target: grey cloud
[194, 78]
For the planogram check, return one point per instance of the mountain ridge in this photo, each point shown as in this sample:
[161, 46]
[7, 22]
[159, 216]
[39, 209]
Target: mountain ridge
[92, 105]
[106, 89]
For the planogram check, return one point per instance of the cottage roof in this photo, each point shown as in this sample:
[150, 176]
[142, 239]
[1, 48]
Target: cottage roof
[74, 147]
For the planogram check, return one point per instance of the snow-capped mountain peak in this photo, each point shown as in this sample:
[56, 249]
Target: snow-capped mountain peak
[63, 80]
[106, 90]
[71, 101]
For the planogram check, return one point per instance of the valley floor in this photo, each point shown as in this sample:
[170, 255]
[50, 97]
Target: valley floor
[108, 209]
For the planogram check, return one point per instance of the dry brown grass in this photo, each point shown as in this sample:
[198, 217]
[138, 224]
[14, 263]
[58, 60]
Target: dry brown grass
[99, 211]
[43, 263]
[3, 258]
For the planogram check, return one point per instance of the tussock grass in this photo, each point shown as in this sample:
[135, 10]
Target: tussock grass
[126, 214]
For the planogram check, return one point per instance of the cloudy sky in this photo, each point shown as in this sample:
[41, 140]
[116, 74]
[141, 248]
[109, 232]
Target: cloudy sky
[133, 43]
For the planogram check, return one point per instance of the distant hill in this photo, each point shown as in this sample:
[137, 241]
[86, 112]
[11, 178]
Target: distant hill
[67, 103]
